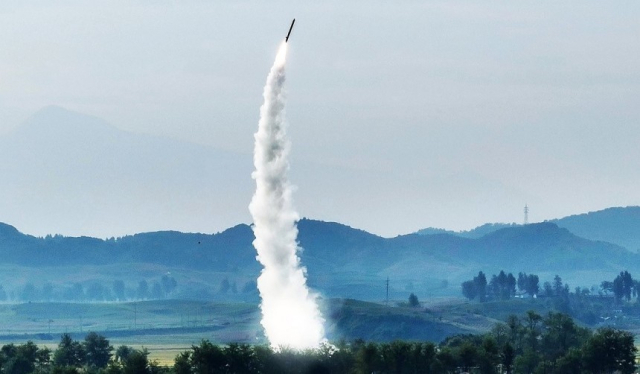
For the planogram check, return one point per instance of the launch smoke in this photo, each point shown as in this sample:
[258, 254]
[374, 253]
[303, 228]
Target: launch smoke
[290, 314]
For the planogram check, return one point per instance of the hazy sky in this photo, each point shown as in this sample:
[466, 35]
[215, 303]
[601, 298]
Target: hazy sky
[458, 112]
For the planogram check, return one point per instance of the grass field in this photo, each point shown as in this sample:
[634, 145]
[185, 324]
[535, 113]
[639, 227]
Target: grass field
[167, 327]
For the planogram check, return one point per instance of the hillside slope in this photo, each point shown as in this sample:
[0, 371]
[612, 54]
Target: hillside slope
[619, 225]
[341, 261]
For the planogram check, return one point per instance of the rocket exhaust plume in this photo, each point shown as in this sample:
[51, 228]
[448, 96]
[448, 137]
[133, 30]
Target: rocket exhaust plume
[290, 314]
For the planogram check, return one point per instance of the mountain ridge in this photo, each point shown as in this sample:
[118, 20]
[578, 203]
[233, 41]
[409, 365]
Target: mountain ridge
[340, 260]
[617, 225]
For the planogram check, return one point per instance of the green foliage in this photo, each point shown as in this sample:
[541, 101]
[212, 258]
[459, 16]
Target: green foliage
[501, 287]
[610, 350]
[137, 363]
[529, 283]
[97, 350]
[69, 353]
[623, 285]
[530, 343]
[413, 301]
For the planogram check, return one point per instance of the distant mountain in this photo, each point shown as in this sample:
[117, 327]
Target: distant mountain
[617, 225]
[614, 225]
[76, 173]
[341, 261]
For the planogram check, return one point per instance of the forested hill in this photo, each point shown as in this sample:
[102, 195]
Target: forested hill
[618, 225]
[615, 225]
[330, 247]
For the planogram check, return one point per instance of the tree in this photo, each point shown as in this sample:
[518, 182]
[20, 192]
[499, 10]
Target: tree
[156, 291]
[367, 358]
[481, 286]
[606, 287]
[561, 333]
[500, 332]
[526, 362]
[97, 350]
[522, 281]
[413, 301]
[610, 350]
[511, 285]
[118, 289]
[469, 290]
[95, 291]
[570, 363]
[75, 292]
[515, 330]
[488, 356]
[508, 356]
[168, 284]
[182, 364]
[468, 354]
[207, 358]
[395, 357]
[240, 358]
[69, 352]
[558, 287]
[143, 289]
[23, 359]
[47, 291]
[533, 285]
[123, 352]
[503, 286]
[225, 286]
[137, 362]
[532, 320]
[29, 293]
[623, 285]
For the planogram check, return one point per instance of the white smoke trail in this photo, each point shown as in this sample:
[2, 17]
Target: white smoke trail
[290, 314]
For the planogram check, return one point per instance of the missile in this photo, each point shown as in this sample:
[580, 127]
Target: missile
[290, 28]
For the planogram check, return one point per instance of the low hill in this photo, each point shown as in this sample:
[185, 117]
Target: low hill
[341, 261]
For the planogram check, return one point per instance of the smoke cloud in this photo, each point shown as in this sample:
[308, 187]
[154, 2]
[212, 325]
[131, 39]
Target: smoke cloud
[290, 314]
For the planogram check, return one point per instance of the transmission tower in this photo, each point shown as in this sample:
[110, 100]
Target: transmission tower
[526, 214]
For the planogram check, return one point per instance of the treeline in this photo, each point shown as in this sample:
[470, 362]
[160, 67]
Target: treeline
[161, 288]
[590, 305]
[623, 287]
[501, 286]
[552, 344]
[165, 287]
[92, 355]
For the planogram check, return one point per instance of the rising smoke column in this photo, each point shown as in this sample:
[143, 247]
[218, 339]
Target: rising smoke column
[290, 314]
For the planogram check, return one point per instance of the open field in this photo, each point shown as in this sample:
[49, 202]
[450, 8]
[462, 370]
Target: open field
[165, 327]
[168, 327]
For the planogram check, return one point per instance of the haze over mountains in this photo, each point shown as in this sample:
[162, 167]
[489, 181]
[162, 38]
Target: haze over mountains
[73, 174]
[77, 174]
[616, 225]
[341, 261]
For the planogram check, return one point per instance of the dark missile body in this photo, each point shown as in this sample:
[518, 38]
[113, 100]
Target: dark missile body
[290, 28]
